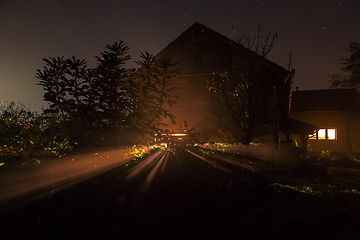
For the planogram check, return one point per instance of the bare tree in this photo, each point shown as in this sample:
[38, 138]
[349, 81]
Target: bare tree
[261, 42]
[351, 69]
[245, 98]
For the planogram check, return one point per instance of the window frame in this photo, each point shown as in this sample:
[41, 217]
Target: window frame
[315, 135]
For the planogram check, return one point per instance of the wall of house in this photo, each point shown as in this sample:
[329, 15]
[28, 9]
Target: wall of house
[192, 106]
[198, 58]
[347, 129]
[354, 134]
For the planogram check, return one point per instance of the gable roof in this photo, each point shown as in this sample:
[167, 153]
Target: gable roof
[325, 100]
[198, 38]
[294, 126]
[200, 51]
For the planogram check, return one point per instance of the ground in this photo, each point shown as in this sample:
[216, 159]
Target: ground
[193, 196]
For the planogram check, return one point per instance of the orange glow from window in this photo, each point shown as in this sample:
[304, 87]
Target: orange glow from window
[331, 134]
[178, 134]
[313, 136]
[324, 133]
[321, 134]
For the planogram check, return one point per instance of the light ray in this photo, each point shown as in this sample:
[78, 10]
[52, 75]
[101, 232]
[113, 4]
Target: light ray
[150, 177]
[243, 164]
[135, 171]
[163, 166]
[178, 161]
[212, 163]
[57, 174]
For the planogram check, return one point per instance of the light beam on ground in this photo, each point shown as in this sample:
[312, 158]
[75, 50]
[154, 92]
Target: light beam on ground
[135, 171]
[212, 163]
[53, 175]
[150, 177]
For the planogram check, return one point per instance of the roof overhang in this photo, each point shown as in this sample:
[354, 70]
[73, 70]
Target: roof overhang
[294, 126]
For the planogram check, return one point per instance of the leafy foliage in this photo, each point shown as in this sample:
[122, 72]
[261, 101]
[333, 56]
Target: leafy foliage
[152, 83]
[59, 148]
[21, 131]
[108, 104]
[54, 82]
[351, 68]
[325, 154]
[110, 87]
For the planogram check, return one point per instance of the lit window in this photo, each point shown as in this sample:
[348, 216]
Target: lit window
[331, 134]
[178, 134]
[312, 136]
[321, 134]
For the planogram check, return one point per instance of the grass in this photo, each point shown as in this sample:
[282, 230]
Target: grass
[300, 206]
[307, 206]
[339, 181]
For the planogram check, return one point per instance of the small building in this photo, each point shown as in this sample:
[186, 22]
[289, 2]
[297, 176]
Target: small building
[336, 113]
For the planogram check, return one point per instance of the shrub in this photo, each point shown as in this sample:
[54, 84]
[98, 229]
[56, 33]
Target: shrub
[325, 154]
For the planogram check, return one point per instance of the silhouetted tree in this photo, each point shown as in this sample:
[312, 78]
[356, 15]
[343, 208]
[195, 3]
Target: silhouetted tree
[77, 86]
[111, 87]
[153, 91]
[243, 98]
[84, 101]
[351, 69]
[54, 82]
[65, 83]
[105, 103]
[110, 91]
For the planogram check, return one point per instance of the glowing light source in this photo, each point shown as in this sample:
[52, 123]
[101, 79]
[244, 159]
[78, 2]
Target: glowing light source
[331, 133]
[178, 134]
[312, 136]
[324, 134]
[321, 134]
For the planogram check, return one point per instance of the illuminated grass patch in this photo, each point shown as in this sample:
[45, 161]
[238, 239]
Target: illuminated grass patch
[317, 190]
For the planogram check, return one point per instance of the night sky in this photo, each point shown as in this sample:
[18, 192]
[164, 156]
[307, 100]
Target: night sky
[315, 31]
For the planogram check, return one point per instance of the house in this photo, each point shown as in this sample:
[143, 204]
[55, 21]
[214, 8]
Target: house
[336, 113]
[200, 52]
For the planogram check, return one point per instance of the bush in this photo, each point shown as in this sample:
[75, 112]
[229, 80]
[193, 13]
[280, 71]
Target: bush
[21, 131]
